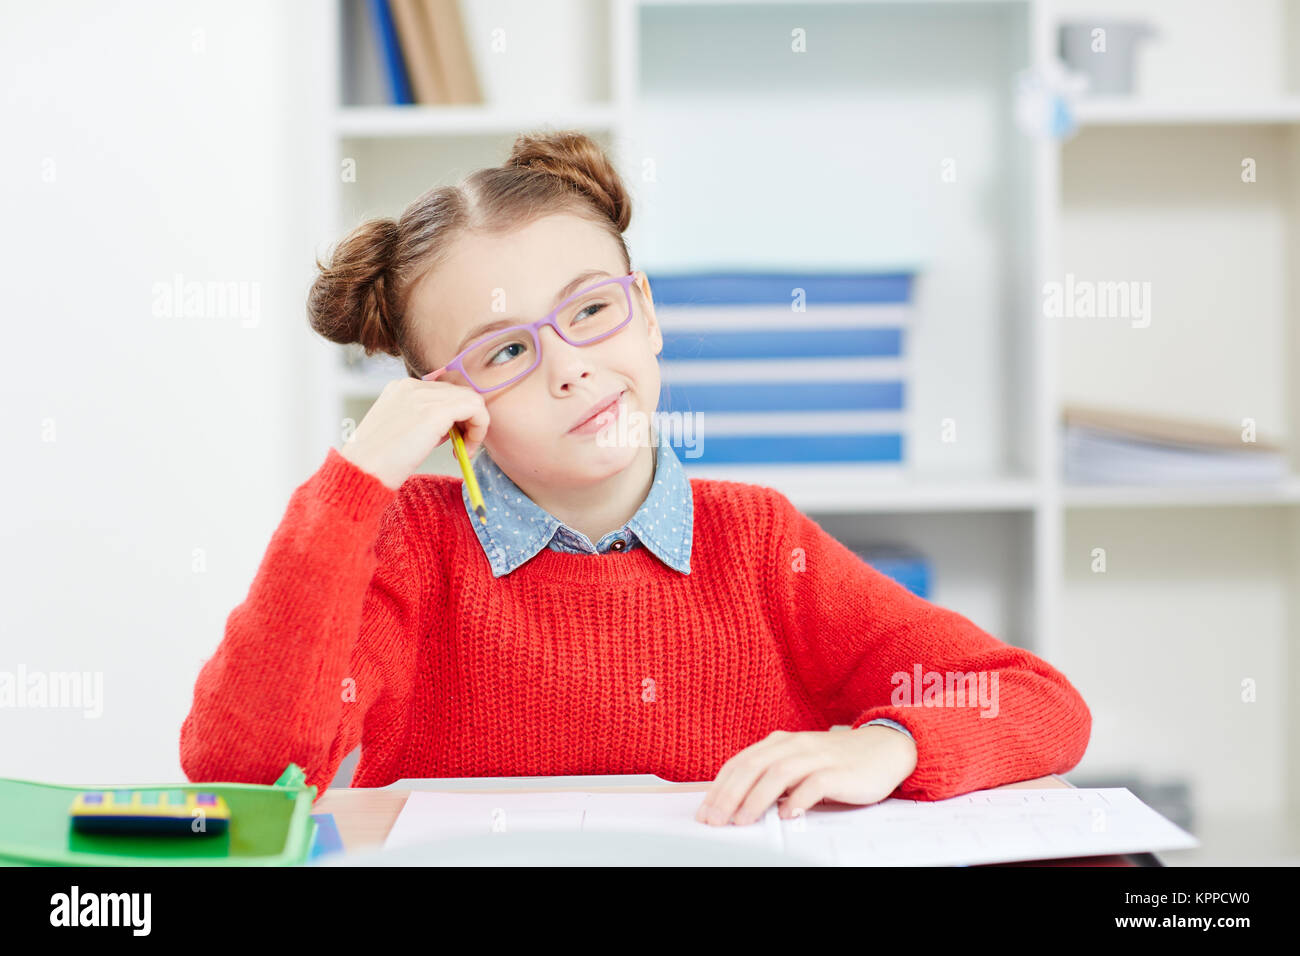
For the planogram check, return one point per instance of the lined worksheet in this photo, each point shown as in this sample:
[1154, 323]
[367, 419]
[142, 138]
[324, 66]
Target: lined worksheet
[986, 826]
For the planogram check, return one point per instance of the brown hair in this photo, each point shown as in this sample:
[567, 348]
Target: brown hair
[360, 295]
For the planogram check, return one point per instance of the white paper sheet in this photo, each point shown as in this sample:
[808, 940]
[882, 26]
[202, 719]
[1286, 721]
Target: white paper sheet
[986, 826]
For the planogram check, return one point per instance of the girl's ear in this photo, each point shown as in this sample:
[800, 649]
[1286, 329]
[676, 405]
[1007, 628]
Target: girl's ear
[652, 324]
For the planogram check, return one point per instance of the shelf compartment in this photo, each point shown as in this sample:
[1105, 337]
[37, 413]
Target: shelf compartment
[1187, 495]
[388, 122]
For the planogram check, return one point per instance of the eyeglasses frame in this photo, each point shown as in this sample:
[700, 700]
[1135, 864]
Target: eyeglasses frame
[534, 329]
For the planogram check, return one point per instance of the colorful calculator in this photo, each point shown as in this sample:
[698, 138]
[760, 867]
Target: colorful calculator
[150, 811]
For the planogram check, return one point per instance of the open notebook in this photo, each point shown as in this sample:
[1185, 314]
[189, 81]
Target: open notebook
[985, 826]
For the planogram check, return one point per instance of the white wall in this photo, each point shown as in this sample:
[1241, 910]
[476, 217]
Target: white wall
[143, 140]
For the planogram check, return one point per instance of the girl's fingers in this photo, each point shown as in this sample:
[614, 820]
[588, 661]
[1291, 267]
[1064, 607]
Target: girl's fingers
[810, 792]
[729, 788]
[738, 776]
[471, 436]
[474, 429]
[466, 438]
[772, 783]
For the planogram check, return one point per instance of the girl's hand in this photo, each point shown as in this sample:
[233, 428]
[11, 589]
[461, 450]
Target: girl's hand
[408, 421]
[849, 766]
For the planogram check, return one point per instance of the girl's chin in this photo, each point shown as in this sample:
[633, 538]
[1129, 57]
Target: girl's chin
[603, 459]
[611, 454]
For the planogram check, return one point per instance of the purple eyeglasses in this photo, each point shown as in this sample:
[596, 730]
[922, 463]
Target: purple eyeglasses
[487, 363]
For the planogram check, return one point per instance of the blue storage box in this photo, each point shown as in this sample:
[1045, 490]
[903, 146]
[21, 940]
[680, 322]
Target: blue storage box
[766, 382]
[908, 567]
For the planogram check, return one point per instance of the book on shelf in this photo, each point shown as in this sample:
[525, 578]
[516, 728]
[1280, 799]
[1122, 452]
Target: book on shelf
[390, 53]
[1122, 446]
[423, 47]
[414, 32]
[451, 51]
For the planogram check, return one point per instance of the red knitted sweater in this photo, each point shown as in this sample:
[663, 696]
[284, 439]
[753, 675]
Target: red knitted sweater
[374, 619]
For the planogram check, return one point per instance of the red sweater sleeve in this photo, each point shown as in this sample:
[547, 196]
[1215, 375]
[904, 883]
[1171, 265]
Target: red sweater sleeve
[854, 633]
[323, 643]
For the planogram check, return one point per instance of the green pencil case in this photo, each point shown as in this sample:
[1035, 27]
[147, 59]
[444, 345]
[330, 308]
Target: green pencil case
[269, 826]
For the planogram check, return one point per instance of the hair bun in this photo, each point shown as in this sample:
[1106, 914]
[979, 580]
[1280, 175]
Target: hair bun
[350, 301]
[580, 162]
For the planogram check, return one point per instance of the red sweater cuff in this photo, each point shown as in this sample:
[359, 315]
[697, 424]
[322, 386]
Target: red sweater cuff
[358, 492]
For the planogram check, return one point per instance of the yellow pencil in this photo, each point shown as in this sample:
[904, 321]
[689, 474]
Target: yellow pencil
[471, 483]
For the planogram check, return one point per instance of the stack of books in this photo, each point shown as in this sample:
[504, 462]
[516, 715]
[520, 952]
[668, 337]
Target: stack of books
[1114, 446]
[423, 49]
[784, 368]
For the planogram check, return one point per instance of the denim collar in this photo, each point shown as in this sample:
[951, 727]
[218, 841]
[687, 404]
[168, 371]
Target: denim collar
[518, 528]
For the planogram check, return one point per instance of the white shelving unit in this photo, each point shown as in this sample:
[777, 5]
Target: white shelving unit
[832, 158]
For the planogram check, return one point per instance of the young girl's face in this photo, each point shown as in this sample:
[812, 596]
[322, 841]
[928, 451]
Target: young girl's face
[517, 276]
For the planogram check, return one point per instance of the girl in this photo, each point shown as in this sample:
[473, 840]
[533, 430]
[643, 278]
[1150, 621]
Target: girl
[611, 616]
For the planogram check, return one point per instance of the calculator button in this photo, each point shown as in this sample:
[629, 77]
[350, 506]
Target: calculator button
[123, 797]
[92, 798]
[149, 798]
[206, 799]
[176, 797]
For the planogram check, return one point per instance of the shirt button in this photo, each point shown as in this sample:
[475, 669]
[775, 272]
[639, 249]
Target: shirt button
[619, 545]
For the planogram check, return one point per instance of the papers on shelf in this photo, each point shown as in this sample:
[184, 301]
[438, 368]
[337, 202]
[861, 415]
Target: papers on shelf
[1105, 446]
